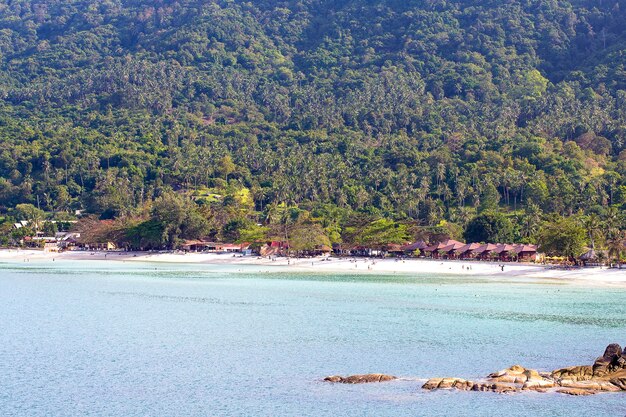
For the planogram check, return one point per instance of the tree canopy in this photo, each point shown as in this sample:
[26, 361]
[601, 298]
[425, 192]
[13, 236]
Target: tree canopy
[423, 113]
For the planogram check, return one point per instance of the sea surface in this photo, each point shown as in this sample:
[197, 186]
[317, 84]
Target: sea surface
[108, 338]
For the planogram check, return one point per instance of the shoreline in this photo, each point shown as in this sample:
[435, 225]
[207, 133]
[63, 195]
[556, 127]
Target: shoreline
[365, 266]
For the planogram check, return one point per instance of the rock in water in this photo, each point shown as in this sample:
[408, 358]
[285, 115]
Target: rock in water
[515, 374]
[609, 361]
[499, 387]
[607, 374]
[619, 382]
[575, 373]
[575, 391]
[448, 383]
[360, 379]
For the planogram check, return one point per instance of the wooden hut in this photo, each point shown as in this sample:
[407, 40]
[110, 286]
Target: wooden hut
[450, 251]
[593, 257]
[526, 253]
[436, 249]
[416, 248]
[505, 252]
[467, 251]
[393, 249]
[484, 252]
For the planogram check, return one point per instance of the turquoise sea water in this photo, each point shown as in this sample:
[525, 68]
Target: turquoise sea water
[129, 339]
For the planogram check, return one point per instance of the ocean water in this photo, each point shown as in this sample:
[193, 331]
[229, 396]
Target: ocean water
[130, 339]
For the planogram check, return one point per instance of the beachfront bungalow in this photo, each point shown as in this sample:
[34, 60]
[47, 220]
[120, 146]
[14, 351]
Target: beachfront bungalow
[394, 249]
[215, 247]
[235, 247]
[593, 257]
[275, 247]
[360, 250]
[201, 246]
[416, 248]
[467, 251]
[51, 246]
[484, 251]
[67, 240]
[435, 250]
[505, 252]
[339, 249]
[525, 253]
[191, 245]
[450, 251]
[101, 246]
[320, 250]
[324, 250]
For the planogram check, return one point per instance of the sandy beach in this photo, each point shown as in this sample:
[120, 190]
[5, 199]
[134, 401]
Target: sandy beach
[591, 276]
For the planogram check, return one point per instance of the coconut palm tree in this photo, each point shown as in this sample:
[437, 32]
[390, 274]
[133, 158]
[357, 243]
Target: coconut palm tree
[617, 246]
[272, 214]
[591, 223]
[611, 220]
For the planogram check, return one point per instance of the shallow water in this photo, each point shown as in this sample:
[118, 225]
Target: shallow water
[130, 339]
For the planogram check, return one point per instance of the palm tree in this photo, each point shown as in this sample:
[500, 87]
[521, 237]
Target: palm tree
[591, 223]
[611, 220]
[617, 246]
[272, 214]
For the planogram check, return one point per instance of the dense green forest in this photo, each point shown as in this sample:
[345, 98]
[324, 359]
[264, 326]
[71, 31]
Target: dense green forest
[334, 114]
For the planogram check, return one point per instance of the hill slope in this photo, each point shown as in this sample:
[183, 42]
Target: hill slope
[429, 110]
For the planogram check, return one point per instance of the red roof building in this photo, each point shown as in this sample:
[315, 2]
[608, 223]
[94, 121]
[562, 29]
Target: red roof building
[525, 253]
[412, 247]
[436, 250]
[467, 251]
[450, 251]
[484, 251]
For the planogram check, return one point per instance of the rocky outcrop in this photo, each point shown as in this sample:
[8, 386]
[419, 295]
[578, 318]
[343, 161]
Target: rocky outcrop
[498, 387]
[575, 391]
[619, 382]
[448, 383]
[360, 379]
[574, 373]
[513, 379]
[593, 385]
[609, 362]
[607, 374]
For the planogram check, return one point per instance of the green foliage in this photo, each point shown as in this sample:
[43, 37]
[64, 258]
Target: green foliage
[489, 227]
[177, 218]
[226, 166]
[253, 233]
[145, 235]
[381, 232]
[489, 198]
[49, 228]
[231, 232]
[267, 111]
[31, 214]
[617, 246]
[307, 237]
[563, 236]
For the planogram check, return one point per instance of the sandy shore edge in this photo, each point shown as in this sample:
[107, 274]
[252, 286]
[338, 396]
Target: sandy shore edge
[593, 276]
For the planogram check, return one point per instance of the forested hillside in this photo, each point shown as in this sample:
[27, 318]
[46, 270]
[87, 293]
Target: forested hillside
[426, 113]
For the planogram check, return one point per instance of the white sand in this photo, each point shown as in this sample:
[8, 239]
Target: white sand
[591, 276]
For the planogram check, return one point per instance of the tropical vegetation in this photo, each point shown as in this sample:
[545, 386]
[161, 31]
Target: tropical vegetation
[346, 120]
